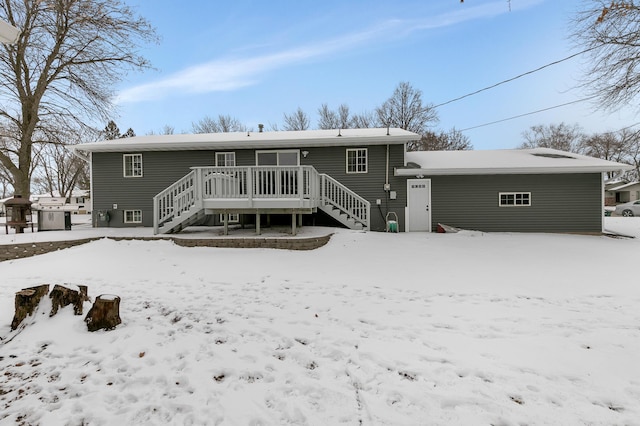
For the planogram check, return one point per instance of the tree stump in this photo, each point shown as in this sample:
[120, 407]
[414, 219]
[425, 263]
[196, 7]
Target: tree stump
[62, 296]
[26, 302]
[104, 314]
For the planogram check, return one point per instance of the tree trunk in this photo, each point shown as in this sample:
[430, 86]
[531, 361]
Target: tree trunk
[26, 302]
[104, 314]
[62, 296]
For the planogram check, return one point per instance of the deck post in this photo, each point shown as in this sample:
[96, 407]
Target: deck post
[293, 223]
[226, 223]
[257, 222]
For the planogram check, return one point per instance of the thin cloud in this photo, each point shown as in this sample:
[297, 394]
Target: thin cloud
[234, 73]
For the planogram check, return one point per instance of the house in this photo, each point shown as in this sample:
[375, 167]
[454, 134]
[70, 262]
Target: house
[353, 177]
[625, 192]
[320, 176]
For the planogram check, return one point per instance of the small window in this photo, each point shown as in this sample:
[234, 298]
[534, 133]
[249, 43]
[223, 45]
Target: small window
[233, 218]
[225, 159]
[514, 199]
[132, 165]
[133, 216]
[357, 160]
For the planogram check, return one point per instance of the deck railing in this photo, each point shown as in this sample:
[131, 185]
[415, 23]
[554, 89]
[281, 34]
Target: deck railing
[260, 182]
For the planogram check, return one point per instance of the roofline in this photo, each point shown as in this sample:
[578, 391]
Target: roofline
[248, 140]
[507, 170]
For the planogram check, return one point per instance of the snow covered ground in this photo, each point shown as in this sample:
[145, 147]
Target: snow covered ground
[373, 329]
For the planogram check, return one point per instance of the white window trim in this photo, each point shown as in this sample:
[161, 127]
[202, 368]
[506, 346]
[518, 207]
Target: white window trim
[133, 214]
[500, 194]
[366, 165]
[278, 151]
[124, 165]
[233, 218]
[225, 153]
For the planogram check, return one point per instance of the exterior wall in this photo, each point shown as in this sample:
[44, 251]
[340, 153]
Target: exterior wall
[162, 168]
[559, 203]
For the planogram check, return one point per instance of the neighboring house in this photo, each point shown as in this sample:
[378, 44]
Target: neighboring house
[79, 201]
[610, 197]
[623, 193]
[355, 177]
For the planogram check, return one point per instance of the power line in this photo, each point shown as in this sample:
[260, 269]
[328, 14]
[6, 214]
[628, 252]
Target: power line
[529, 113]
[517, 77]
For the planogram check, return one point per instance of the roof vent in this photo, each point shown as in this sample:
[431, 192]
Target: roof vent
[548, 155]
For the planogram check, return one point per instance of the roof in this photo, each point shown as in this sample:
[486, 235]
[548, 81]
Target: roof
[505, 161]
[625, 186]
[252, 140]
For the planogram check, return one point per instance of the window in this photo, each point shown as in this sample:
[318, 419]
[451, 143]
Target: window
[233, 218]
[278, 158]
[133, 216]
[517, 199]
[132, 165]
[357, 160]
[225, 159]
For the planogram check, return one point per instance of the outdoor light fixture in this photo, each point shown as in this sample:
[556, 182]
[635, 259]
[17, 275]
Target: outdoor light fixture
[8, 33]
[305, 153]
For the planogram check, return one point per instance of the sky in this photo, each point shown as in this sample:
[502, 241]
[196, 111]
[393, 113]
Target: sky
[256, 61]
[398, 337]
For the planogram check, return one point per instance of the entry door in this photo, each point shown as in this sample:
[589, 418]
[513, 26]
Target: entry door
[419, 204]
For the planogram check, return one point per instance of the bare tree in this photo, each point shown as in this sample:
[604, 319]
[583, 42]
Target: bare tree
[60, 172]
[622, 146]
[404, 109]
[329, 119]
[296, 121]
[557, 136]
[222, 124]
[61, 71]
[453, 140]
[365, 120]
[610, 32]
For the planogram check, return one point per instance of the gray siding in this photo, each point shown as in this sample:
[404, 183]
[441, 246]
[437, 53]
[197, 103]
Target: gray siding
[559, 203]
[162, 168]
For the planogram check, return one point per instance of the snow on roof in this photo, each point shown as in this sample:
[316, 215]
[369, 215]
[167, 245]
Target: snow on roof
[251, 140]
[625, 186]
[56, 194]
[506, 161]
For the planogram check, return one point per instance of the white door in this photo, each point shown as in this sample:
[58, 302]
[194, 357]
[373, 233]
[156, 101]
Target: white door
[419, 204]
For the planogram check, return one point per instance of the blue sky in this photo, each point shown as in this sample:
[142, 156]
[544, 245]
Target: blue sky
[256, 61]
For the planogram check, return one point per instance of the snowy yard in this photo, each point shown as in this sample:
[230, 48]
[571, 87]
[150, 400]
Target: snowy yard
[372, 329]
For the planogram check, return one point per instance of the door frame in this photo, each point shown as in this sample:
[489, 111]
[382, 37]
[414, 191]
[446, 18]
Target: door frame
[410, 204]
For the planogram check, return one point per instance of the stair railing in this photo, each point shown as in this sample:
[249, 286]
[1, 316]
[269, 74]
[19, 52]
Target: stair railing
[176, 199]
[351, 204]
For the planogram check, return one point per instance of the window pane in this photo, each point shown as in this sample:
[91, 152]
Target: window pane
[267, 159]
[288, 158]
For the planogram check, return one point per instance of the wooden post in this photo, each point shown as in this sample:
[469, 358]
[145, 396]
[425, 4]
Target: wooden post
[62, 296]
[293, 223]
[26, 302]
[104, 314]
[258, 222]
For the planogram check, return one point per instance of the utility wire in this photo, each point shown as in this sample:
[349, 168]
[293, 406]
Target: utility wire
[529, 113]
[517, 77]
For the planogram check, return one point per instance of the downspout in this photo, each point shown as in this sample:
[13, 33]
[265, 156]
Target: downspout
[386, 179]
